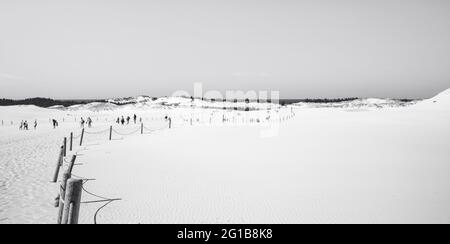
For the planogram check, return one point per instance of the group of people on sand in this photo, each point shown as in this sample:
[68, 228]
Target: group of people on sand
[88, 121]
[83, 122]
[122, 120]
[24, 125]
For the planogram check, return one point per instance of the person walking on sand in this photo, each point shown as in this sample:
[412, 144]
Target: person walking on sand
[169, 119]
[35, 124]
[82, 123]
[55, 123]
[25, 125]
[89, 122]
[123, 120]
[21, 125]
[128, 120]
[118, 120]
[135, 118]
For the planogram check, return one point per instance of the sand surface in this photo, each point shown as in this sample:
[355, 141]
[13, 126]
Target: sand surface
[323, 165]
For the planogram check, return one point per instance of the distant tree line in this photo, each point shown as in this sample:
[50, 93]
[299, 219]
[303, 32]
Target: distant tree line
[47, 102]
[405, 100]
[317, 100]
[284, 101]
[337, 100]
[44, 102]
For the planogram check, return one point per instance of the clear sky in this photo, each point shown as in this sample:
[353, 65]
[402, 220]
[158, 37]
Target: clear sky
[309, 48]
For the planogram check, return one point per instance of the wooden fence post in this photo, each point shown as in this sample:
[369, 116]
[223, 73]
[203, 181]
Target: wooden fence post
[82, 135]
[71, 164]
[110, 132]
[62, 196]
[65, 146]
[71, 141]
[58, 164]
[72, 201]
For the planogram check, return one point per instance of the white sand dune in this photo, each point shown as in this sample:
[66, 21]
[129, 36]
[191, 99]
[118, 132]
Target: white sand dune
[326, 165]
[440, 102]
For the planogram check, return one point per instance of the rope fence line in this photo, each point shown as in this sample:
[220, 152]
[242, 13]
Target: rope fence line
[68, 214]
[153, 130]
[98, 210]
[96, 132]
[154, 117]
[77, 137]
[103, 199]
[63, 191]
[82, 178]
[72, 186]
[126, 134]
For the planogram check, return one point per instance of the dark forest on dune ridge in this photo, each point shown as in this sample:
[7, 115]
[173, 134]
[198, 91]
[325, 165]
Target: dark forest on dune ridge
[44, 102]
[48, 102]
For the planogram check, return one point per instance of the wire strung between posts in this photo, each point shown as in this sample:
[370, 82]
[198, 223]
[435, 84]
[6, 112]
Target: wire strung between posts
[92, 194]
[76, 137]
[152, 130]
[104, 199]
[126, 134]
[99, 201]
[98, 210]
[65, 161]
[85, 180]
[82, 178]
[69, 162]
[96, 133]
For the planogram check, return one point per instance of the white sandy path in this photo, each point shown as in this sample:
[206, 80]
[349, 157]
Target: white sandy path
[326, 166]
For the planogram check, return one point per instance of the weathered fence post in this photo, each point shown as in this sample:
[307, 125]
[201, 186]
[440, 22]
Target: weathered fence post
[62, 196]
[71, 164]
[66, 176]
[170, 123]
[65, 146]
[110, 132]
[58, 164]
[71, 141]
[81, 138]
[142, 128]
[72, 201]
